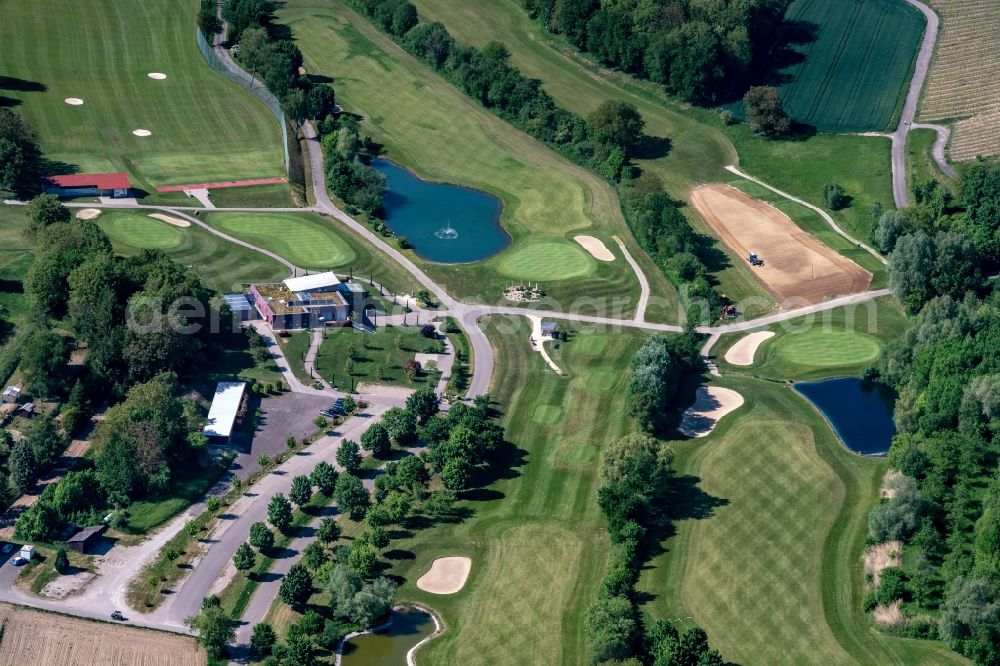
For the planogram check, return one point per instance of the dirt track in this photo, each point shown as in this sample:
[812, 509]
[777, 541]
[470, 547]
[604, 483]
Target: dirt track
[797, 268]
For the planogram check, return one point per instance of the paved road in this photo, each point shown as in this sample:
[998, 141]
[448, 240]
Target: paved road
[640, 309]
[900, 186]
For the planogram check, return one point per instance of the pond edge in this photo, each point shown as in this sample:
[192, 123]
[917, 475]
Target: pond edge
[410, 659]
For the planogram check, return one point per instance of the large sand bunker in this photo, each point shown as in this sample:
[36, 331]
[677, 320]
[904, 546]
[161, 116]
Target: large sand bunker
[596, 247]
[176, 221]
[74, 101]
[797, 267]
[88, 213]
[743, 351]
[447, 575]
[710, 405]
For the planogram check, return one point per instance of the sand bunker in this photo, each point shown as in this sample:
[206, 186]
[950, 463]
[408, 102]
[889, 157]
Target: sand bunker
[596, 247]
[141, 132]
[159, 76]
[88, 213]
[447, 575]
[74, 101]
[742, 352]
[176, 221]
[796, 265]
[710, 405]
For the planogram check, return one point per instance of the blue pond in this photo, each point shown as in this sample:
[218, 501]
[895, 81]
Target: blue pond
[859, 411]
[443, 223]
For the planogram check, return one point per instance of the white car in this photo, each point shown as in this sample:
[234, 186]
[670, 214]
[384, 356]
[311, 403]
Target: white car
[18, 561]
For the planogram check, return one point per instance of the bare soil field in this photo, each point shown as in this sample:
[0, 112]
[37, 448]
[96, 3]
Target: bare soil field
[963, 85]
[797, 269]
[32, 638]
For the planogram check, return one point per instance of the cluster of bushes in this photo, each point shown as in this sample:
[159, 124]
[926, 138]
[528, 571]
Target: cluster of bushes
[267, 51]
[21, 161]
[657, 369]
[347, 174]
[700, 51]
[946, 369]
[635, 473]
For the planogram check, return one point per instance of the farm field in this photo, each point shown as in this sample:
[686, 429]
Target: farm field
[772, 572]
[221, 265]
[797, 267]
[204, 128]
[314, 242]
[31, 637]
[854, 74]
[546, 198]
[963, 85]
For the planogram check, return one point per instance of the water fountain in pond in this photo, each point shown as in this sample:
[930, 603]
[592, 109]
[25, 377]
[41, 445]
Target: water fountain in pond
[448, 233]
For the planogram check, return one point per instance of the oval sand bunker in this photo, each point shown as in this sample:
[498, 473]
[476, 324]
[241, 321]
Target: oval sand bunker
[447, 575]
[745, 349]
[141, 132]
[159, 76]
[596, 247]
[88, 213]
[74, 101]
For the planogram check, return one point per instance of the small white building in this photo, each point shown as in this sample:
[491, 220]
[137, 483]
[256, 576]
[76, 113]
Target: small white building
[224, 411]
[27, 552]
[11, 394]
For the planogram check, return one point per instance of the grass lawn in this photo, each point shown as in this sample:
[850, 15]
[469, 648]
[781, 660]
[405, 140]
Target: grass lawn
[141, 231]
[842, 341]
[255, 196]
[220, 264]
[372, 352]
[188, 486]
[920, 164]
[773, 571]
[430, 127]
[203, 127]
[314, 242]
[294, 347]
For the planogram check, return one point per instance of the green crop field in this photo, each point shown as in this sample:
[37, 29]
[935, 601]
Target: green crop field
[220, 264]
[203, 126]
[315, 242]
[854, 74]
[432, 128]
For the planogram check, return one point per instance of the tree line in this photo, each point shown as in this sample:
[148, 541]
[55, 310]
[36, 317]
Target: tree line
[21, 160]
[702, 52]
[945, 506]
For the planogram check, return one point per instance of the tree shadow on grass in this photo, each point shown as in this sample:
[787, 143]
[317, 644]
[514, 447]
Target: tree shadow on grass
[21, 85]
[652, 147]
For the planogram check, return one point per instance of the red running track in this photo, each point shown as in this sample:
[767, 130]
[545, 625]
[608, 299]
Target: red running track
[225, 183]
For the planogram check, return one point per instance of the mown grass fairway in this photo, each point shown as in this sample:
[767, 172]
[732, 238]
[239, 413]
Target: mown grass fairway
[221, 265]
[547, 261]
[430, 127]
[772, 571]
[139, 230]
[297, 238]
[315, 242]
[203, 127]
[855, 73]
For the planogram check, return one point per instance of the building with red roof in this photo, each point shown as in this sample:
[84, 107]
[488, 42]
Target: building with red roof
[89, 184]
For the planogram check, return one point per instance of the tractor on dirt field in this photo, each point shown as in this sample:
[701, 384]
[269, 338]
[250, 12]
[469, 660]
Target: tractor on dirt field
[755, 260]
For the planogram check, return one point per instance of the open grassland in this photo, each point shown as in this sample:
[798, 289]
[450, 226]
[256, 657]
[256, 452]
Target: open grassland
[920, 164]
[963, 86]
[842, 341]
[429, 126]
[686, 149]
[220, 264]
[772, 571]
[854, 74]
[33, 638]
[315, 242]
[204, 128]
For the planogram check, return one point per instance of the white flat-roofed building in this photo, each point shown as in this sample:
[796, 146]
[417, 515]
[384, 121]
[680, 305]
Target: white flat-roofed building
[225, 409]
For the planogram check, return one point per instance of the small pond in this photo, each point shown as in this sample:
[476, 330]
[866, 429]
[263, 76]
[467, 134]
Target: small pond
[388, 647]
[444, 223]
[859, 411]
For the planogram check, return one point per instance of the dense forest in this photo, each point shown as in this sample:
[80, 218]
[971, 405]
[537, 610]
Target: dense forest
[702, 52]
[945, 505]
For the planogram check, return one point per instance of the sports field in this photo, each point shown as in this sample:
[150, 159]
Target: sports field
[432, 128]
[314, 242]
[797, 268]
[220, 264]
[963, 85]
[768, 561]
[854, 74]
[203, 128]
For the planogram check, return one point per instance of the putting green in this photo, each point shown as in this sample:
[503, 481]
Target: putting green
[140, 231]
[304, 242]
[547, 414]
[547, 260]
[827, 349]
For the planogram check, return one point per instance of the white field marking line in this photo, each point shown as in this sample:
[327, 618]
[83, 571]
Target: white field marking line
[826, 216]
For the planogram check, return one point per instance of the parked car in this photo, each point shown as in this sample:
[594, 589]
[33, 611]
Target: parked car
[18, 561]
